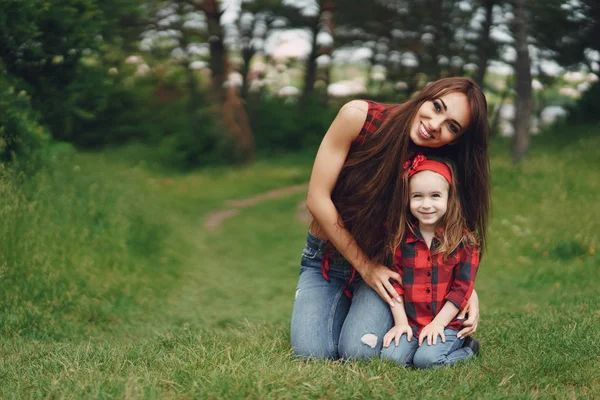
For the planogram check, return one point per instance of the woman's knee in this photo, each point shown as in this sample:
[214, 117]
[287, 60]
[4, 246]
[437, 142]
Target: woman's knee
[368, 345]
[314, 350]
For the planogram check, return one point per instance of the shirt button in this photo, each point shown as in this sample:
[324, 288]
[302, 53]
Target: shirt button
[428, 258]
[428, 307]
[428, 273]
[428, 290]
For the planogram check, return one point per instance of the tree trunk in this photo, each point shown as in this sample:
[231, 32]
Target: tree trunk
[218, 57]
[311, 65]
[247, 55]
[230, 106]
[328, 25]
[484, 44]
[523, 84]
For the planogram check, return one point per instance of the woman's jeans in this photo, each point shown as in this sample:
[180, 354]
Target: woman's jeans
[328, 324]
[409, 353]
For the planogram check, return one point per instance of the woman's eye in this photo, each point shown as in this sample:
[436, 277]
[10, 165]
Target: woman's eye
[453, 128]
[437, 106]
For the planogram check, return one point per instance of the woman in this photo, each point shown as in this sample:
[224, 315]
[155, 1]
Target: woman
[355, 194]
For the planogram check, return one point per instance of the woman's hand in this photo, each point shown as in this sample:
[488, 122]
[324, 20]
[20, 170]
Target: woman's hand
[378, 277]
[396, 333]
[470, 325]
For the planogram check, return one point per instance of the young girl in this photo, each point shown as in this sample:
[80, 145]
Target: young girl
[438, 260]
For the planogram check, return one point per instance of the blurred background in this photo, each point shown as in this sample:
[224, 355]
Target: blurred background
[222, 82]
[154, 160]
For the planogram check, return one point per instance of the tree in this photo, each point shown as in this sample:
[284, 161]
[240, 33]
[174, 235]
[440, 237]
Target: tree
[523, 83]
[53, 48]
[234, 116]
[566, 29]
[173, 19]
[321, 23]
[485, 49]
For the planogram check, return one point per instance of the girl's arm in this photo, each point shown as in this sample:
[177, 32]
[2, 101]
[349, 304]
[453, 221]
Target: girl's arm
[457, 297]
[400, 327]
[326, 169]
[464, 277]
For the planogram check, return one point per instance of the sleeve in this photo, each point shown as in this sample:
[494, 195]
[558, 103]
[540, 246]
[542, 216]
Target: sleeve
[397, 267]
[464, 278]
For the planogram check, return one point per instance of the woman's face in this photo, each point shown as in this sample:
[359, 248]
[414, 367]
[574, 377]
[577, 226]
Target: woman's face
[441, 121]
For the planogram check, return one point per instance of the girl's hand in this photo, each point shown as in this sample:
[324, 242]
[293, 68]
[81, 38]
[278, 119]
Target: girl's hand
[395, 333]
[470, 325]
[378, 277]
[431, 332]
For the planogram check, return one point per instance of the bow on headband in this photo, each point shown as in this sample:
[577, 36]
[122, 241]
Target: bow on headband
[421, 163]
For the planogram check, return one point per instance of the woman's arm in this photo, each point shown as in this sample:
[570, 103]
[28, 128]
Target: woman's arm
[470, 325]
[326, 169]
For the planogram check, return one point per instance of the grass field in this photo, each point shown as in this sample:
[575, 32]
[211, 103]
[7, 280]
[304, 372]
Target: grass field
[111, 287]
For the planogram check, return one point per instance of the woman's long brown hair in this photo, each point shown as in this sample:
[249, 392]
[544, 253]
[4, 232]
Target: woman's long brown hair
[369, 191]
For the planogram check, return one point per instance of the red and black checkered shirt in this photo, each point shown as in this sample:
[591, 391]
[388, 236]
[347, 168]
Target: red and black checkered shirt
[428, 281]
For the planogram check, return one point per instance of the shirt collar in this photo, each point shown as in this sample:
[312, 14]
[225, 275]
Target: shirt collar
[416, 236]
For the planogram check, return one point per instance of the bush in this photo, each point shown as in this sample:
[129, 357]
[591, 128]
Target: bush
[197, 142]
[21, 133]
[110, 111]
[587, 109]
[280, 124]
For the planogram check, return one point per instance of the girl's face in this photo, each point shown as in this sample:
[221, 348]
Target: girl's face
[428, 198]
[441, 121]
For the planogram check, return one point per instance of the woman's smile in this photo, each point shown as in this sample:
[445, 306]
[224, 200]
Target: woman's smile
[425, 133]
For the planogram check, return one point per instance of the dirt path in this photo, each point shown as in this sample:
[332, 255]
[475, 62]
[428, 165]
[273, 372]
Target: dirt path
[215, 219]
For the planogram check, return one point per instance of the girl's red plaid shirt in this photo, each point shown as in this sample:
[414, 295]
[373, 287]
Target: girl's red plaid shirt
[428, 281]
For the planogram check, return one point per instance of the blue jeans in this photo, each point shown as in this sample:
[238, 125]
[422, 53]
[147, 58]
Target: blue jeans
[325, 322]
[438, 355]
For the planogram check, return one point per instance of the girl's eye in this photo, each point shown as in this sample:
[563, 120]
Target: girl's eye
[436, 195]
[437, 106]
[416, 195]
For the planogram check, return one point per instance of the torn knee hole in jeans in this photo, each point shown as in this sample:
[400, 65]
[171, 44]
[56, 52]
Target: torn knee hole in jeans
[369, 339]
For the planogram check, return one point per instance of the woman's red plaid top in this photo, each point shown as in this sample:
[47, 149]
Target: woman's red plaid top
[428, 281]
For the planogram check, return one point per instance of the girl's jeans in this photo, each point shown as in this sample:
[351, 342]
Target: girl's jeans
[425, 356]
[325, 322]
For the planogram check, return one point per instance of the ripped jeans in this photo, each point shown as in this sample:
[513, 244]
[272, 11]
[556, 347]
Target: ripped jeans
[325, 322]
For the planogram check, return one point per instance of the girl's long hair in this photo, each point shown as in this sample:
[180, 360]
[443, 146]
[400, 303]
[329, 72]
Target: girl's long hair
[455, 231]
[369, 191]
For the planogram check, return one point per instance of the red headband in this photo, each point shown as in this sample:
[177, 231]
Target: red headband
[421, 163]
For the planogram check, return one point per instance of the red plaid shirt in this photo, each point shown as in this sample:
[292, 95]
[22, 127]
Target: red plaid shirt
[376, 114]
[428, 281]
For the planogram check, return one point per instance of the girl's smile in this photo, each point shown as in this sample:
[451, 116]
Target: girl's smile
[428, 198]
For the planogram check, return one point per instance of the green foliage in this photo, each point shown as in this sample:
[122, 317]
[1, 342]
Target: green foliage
[587, 108]
[53, 47]
[21, 133]
[281, 124]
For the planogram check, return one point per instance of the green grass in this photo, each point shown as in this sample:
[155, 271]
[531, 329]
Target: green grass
[112, 288]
